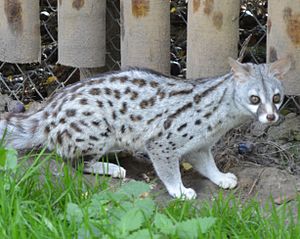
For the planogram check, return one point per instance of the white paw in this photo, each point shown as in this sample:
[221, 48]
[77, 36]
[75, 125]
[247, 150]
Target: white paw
[104, 168]
[185, 193]
[120, 172]
[227, 180]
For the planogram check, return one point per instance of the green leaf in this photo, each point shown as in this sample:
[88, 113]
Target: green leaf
[8, 158]
[135, 188]
[144, 233]
[2, 157]
[192, 227]
[74, 213]
[164, 224]
[11, 159]
[132, 220]
[147, 205]
[206, 223]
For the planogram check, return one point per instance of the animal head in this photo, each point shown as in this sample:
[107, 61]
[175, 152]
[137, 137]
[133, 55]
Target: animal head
[259, 88]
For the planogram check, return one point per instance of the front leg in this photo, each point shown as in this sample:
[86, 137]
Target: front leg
[204, 163]
[166, 165]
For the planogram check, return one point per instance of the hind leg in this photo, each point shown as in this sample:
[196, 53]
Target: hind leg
[104, 168]
[91, 156]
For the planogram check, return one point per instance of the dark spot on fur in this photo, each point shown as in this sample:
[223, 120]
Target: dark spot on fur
[207, 115]
[181, 127]
[180, 92]
[161, 94]
[59, 138]
[54, 114]
[135, 118]
[154, 84]
[198, 97]
[83, 101]
[95, 91]
[96, 123]
[62, 121]
[127, 90]
[71, 112]
[169, 135]
[104, 134]
[198, 121]
[154, 118]
[117, 94]
[110, 103]
[107, 91]
[79, 140]
[114, 116]
[47, 129]
[123, 110]
[134, 95]
[99, 103]
[45, 115]
[83, 123]
[87, 113]
[139, 82]
[184, 135]
[168, 123]
[93, 138]
[74, 126]
[209, 128]
[123, 129]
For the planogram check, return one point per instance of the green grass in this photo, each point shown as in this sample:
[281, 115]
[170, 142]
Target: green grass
[36, 204]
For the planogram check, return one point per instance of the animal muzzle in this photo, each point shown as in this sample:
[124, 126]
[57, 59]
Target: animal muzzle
[267, 114]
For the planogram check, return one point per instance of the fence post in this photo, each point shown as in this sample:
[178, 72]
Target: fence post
[212, 36]
[283, 38]
[20, 40]
[81, 33]
[145, 34]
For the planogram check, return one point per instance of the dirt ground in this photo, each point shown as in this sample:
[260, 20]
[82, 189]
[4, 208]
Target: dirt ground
[254, 181]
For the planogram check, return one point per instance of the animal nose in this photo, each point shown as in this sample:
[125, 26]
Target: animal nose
[271, 117]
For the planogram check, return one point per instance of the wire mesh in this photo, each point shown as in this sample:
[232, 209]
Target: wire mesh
[35, 82]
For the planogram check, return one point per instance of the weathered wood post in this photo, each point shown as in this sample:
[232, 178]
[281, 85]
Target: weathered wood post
[145, 34]
[20, 40]
[212, 36]
[283, 39]
[81, 33]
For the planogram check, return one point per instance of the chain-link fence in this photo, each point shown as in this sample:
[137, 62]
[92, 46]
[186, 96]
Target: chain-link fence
[35, 82]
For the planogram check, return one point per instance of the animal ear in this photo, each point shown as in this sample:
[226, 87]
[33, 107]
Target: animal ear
[280, 67]
[239, 69]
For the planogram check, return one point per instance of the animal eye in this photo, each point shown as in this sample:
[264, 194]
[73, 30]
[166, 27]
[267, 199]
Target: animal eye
[254, 99]
[276, 99]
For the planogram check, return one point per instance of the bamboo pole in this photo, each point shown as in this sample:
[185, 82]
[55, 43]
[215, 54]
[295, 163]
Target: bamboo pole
[283, 39]
[20, 40]
[81, 33]
[145, 34]
[212, 36]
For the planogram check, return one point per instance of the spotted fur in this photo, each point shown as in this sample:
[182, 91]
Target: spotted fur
[147, 112]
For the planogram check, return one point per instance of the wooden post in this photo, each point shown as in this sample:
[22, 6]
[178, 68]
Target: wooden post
[283, 39]
[20, 40]
[81, 33]
[212, 36]
[145, 34]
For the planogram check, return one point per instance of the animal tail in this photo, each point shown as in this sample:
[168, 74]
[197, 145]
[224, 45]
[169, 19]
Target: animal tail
[21, 130]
